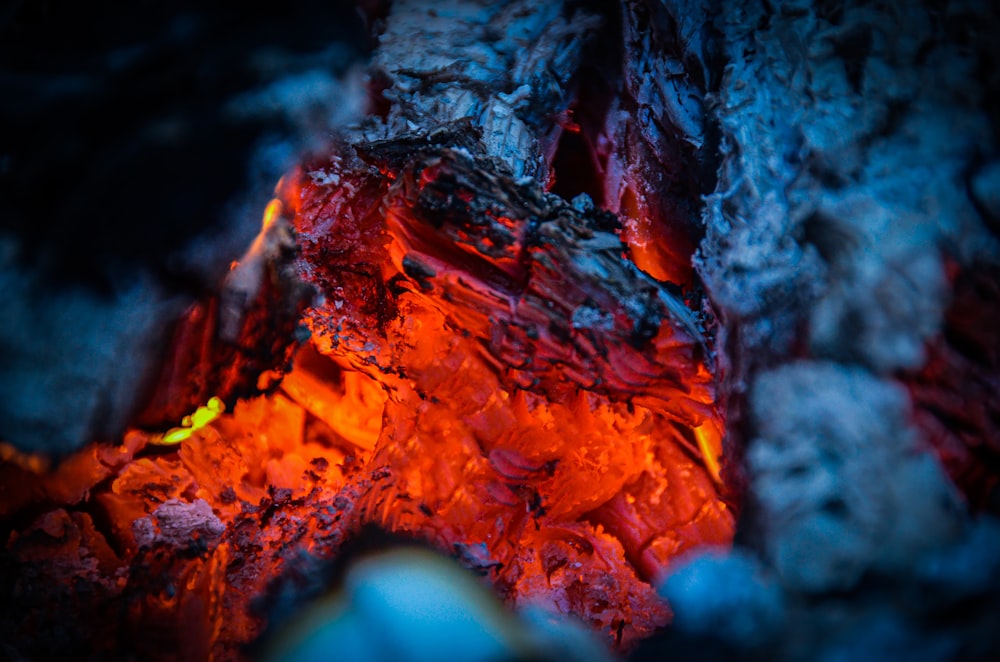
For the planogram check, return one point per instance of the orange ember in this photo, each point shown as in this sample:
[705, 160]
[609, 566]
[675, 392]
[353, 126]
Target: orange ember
[473, 380]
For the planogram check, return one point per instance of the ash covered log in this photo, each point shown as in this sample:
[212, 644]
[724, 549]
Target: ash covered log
[508, 67]
[853, 138]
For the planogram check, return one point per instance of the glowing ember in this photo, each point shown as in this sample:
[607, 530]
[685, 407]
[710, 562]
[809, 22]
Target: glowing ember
[561, 428]
[488, 373]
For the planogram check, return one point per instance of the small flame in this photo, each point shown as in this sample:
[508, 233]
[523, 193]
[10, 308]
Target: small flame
[709, 439]
[271, 213]
[191, 423]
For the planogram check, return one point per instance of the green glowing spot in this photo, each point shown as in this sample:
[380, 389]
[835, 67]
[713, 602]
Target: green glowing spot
[201, 417]
[174, 436]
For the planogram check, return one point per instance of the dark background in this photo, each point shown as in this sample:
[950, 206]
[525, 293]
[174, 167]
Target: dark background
[116, 144]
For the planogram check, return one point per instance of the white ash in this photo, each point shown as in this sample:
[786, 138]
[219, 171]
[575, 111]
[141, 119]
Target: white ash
[842, 485]
[179, 524]
[856, 156]
[843, 179]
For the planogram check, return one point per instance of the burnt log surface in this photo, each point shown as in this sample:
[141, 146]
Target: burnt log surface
[503, 108]
[541, 283]
[465, 152]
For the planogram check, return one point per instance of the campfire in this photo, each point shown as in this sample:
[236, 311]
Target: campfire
[537, 332]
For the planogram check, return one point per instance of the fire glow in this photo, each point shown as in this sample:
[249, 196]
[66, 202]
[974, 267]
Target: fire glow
[568, 481]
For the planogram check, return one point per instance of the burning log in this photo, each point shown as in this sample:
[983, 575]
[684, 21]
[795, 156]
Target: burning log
[540, 285]
[513, 362]
[536, 394]
[539, 384]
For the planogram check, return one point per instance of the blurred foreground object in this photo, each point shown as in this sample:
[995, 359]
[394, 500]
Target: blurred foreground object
[409, 605]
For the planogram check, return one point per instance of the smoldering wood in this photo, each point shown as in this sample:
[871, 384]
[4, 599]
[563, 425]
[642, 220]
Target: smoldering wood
[502, 103]
[510, 130]
[406, 214]
[845, 143]
[542, 281]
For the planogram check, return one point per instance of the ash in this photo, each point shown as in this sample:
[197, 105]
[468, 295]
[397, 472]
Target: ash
[855, 148]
